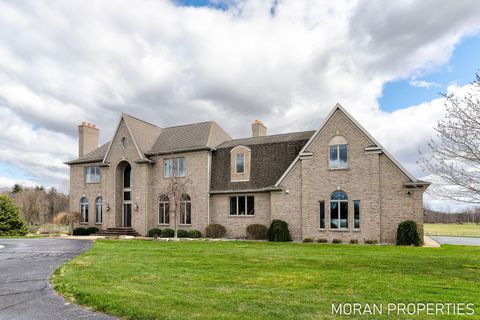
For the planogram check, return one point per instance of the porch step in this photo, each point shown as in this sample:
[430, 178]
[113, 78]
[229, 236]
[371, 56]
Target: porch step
[118, 232]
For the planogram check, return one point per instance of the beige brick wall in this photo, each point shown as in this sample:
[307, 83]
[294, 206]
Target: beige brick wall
[197, 172]
[312, 181]
[236, 225]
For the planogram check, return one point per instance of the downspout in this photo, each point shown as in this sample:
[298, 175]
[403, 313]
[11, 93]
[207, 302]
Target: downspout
[209, 164]
[146, 196]
[380, 194]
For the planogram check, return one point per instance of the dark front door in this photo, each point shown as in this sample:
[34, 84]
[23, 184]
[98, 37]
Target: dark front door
[127, 215]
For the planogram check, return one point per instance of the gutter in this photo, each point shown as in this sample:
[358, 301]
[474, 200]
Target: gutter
[267, 189]
[179, 151]
[86, 161]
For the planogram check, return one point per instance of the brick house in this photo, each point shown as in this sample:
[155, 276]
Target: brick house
[335, 182]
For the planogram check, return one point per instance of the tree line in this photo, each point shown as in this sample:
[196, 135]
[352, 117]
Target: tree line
[38, 205]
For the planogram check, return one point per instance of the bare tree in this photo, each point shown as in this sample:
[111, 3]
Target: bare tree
[67, 218]
[178, 188]
[455, 151]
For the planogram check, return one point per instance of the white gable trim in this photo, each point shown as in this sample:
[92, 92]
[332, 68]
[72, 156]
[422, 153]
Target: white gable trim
[115, 134]
[320, 129]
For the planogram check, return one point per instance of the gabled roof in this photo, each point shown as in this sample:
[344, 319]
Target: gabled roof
[150, 139]
[337, 107]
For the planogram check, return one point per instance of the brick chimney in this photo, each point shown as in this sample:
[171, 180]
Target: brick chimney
[87, 138]
[258, 129]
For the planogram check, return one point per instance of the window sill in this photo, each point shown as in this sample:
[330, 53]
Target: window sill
[93, 182]
[239, 180]
[241, 216]
[83, 223]
[339, 169]
[163, 224]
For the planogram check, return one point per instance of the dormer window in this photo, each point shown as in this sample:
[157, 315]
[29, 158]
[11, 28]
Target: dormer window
[240, 163]
[240, 157]
[338, 153]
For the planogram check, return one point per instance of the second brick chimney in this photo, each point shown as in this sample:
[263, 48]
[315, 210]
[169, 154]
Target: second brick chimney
[258, 129]
[87, 138]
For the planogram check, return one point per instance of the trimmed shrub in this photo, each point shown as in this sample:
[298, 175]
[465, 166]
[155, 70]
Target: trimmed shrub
[307, 240]
[80, 231]
[354, 241]
[322, 240]
[194, 234]
[371, 242]
[182, 233]
[278, 231]
[92, 230]
[168, 233]
[155, 232]
[337, 241]
[216, 231]
[256, 232]
[10, 222]
[408, 234]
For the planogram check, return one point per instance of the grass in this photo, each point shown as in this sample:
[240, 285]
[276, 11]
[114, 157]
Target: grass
[256, 280]
[452, 229]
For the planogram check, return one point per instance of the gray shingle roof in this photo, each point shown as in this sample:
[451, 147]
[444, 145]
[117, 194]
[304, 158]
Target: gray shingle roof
[283, 137]
[92, 156]
[180, 138]
[270, 158]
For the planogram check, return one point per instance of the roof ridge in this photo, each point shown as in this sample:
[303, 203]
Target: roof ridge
[189, 124]
[272, 135]
[126, 114]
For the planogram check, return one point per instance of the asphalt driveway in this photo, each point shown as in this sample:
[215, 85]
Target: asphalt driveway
[25, 268]
[463, 241]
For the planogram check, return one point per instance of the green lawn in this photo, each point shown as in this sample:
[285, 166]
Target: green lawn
[452, 229]
[256, 280]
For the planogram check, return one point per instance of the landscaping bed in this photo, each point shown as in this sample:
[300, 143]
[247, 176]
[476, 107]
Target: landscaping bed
[263, 280]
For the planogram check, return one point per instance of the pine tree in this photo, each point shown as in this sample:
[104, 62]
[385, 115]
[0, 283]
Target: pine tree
[10, 222]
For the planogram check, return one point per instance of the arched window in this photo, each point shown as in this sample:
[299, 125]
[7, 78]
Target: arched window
[339, 210]
[185, 209]
[84, 209]
[98, 210]
[127, 196]
[338, 153]
[163, 210]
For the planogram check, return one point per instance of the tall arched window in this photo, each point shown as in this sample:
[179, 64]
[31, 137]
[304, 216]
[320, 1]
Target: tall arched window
[163, 210]
[185, 209]
[338, 153]
[98, 210]
[339, 210]
[127, 196]
[84, 209]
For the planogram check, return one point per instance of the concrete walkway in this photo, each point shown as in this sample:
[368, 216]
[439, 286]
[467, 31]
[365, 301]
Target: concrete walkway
[461, 241]
[430, 243]
[25, 268]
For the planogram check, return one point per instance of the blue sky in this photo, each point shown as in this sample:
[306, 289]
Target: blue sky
[460, 70]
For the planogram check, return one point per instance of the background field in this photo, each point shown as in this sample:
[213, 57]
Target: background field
[257, 280]
[452, 229]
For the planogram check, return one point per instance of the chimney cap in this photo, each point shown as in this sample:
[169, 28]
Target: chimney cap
[258, 122]
[88, 124]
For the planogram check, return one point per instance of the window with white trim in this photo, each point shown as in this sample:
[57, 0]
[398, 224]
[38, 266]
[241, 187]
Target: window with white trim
[338, 153]
[185, 210]
[356, 214]
[174, 167]
[92, 174]
[240, 163]
[84, 209]
[339, 210]
[163, 210]
[242, 206]
[98, 210]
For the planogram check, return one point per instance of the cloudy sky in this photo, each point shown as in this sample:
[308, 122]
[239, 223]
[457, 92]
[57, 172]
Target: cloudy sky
[174, 62]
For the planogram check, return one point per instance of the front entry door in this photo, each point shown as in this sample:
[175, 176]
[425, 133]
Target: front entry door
[127, 215]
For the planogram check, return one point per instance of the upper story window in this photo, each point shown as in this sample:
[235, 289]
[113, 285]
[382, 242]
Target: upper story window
[174, 167]
[338, 153]
[92, 174]
[240, 163]
[240, 159]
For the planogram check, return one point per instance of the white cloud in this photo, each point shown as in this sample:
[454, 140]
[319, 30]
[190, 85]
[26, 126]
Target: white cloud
[424, 84]
[65, 62]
